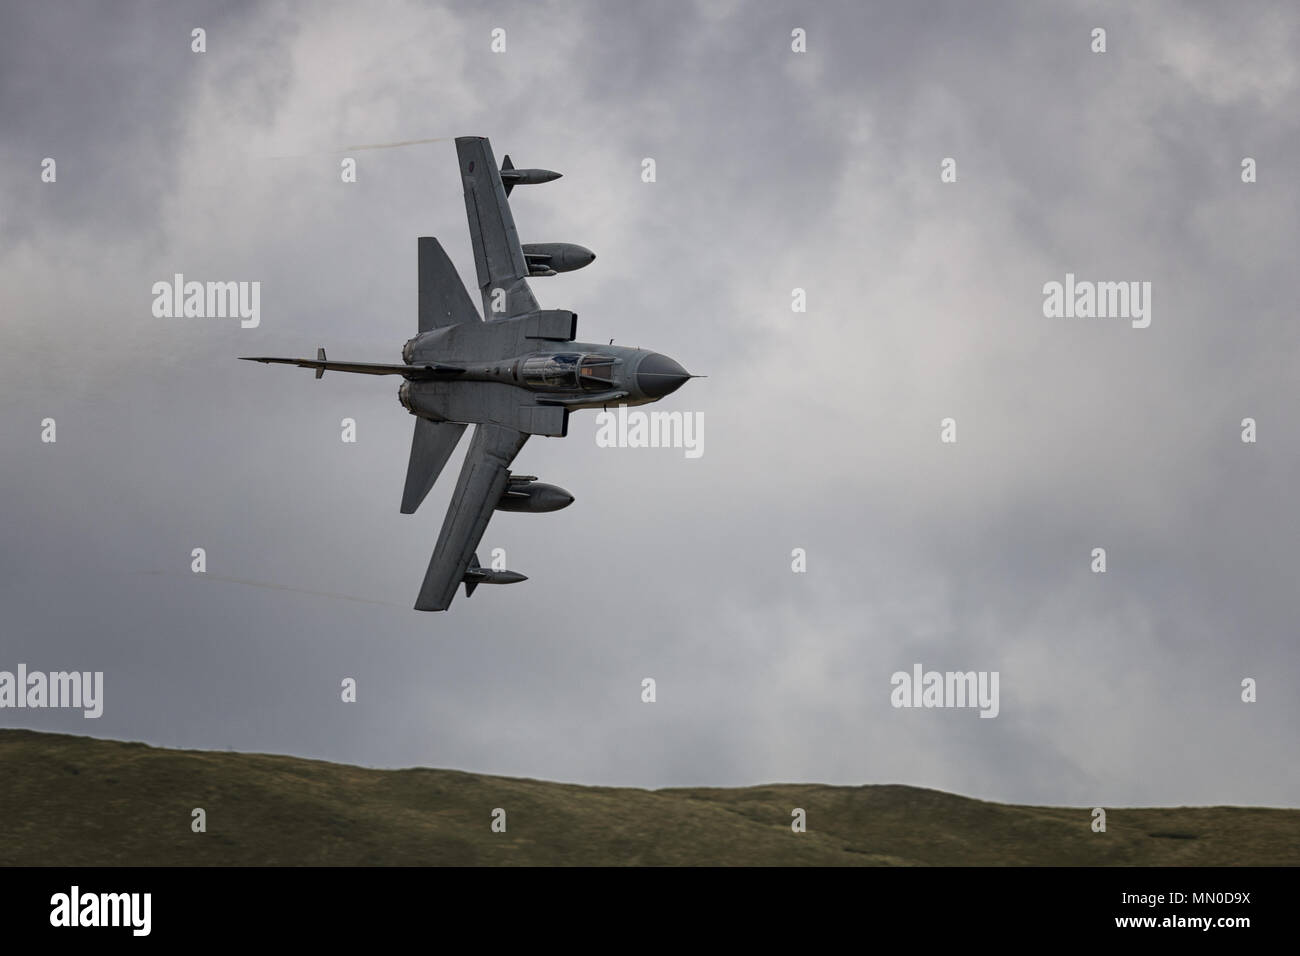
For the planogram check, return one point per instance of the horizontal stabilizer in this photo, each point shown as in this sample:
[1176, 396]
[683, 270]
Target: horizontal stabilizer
[443, 299]
[431, 446]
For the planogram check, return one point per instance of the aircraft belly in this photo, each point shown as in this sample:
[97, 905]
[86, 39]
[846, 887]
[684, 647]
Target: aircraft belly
[492, 403]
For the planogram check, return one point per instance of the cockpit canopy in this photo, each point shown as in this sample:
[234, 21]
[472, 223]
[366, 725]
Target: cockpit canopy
[568, 370]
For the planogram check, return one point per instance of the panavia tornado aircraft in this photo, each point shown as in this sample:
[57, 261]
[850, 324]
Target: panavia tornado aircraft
[518, 373]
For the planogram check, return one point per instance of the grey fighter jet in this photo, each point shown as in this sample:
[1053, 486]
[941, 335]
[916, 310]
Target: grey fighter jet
[511, 373]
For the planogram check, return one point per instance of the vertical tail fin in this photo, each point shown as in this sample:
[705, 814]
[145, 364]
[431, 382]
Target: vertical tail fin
[431, 446]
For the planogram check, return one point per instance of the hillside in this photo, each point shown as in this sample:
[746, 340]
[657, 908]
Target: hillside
[82, 801]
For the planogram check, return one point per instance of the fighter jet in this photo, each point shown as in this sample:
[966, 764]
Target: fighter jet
[515, 371]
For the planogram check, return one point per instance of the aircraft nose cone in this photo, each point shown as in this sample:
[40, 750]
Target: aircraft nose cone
[658, 375]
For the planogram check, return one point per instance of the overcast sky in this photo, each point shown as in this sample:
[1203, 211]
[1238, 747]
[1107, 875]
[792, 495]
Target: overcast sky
[775, 170]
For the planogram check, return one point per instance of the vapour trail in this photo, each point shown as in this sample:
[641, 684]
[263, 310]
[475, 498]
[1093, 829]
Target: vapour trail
[361, 146]
[278, 587]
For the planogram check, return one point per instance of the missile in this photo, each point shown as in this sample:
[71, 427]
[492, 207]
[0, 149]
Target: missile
[488, 576]
[511, 177]
[475, 575]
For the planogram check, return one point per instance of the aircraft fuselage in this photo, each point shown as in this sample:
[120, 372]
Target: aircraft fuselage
[574, 375]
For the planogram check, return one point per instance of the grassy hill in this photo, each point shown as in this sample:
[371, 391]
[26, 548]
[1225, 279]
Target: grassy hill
[81, 801]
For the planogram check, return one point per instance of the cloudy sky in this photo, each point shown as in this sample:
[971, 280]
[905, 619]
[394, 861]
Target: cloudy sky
[776, 170]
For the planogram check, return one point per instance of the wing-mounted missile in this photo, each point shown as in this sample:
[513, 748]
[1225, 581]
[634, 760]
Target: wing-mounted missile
[526, 493]
[511, 177]
[476, 575]
[548, 258]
